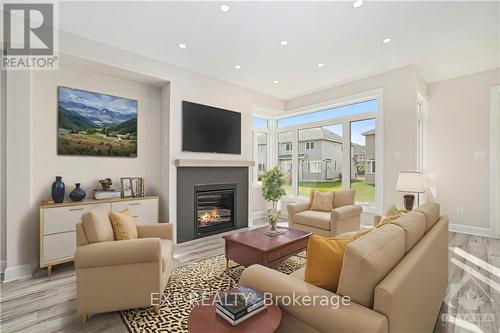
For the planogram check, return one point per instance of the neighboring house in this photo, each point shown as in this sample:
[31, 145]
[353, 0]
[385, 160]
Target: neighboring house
[320, 155]
[370, 156]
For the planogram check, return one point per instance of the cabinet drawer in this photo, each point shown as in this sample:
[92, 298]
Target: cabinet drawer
[63, 219]
[144, 211]
[59, 246]
[287, 250]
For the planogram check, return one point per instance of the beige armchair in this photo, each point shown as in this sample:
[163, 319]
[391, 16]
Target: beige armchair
[344, 217]
[116, 275]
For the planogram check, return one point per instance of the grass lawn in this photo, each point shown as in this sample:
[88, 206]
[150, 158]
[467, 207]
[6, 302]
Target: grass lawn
[364, 192]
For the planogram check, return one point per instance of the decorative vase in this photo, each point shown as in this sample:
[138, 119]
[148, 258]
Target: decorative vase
[58, 190]
[78, 193]
[273, 216]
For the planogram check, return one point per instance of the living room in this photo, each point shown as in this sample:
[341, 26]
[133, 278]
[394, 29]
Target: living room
[267, 145]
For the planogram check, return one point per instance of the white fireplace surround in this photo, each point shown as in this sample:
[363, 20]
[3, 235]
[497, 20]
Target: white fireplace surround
[212, 163]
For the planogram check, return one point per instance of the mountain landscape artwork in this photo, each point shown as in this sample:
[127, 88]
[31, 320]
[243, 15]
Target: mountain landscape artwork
[95, 124]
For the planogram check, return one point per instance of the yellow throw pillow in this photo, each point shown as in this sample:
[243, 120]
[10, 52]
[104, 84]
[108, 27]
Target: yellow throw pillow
[324, 259]
[322, 201]
[388, 219]
[123, 225]
[392, 210]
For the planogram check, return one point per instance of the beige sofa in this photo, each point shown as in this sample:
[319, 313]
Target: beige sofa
[116, 275]
[395, 276]
[344, 217]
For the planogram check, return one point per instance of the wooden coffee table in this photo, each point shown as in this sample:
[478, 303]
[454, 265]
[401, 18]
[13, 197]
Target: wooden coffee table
[255, 247]
[203, 319]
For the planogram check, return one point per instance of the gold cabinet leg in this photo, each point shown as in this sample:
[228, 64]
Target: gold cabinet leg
[156, 309]
[49, 271]
[84, 318]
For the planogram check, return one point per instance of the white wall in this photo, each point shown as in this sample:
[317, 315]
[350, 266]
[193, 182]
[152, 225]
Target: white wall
[31, 146]
[399, 123]
[46, 164]
[458, 128]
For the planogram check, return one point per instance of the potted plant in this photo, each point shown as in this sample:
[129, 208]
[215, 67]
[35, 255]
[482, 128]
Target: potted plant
[272, 190]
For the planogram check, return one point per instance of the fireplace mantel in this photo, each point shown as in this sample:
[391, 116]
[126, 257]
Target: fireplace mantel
[213, 163]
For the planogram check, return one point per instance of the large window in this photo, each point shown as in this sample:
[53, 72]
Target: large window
[330, 149]
[260, 147]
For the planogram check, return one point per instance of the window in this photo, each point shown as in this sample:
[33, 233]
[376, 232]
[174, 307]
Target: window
[363, 149]
[328, 149]
[314, 166]
[370, 166]
[338, 112]
[260, 147]
[261, 156]
[285, 158]
[260, 123]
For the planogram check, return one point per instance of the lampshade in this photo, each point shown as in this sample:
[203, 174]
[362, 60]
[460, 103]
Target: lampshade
[410, 181]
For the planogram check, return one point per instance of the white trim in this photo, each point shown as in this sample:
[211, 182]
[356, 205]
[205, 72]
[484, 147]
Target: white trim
[469, 230]
[18, 273]
[332, 103]
[494, 138]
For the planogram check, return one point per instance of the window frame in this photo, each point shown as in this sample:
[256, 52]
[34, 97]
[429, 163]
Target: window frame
[376, 94]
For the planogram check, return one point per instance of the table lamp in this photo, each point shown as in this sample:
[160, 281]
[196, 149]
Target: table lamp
[410, 182]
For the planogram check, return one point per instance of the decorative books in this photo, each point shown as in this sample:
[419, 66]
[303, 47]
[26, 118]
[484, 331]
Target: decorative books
[100, 195]
[239, 304]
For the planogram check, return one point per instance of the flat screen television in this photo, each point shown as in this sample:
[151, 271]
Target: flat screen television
[208, 129]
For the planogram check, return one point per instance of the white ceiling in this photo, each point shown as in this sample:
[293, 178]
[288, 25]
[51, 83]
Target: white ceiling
[443, 39]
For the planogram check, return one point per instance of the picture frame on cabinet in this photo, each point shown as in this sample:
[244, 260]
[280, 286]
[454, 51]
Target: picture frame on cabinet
[127, 187]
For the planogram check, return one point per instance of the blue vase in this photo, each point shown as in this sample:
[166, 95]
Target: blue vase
[78, 193]
[58, 190]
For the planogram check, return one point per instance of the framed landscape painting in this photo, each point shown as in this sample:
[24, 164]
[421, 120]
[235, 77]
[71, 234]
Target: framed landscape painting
[94, 124]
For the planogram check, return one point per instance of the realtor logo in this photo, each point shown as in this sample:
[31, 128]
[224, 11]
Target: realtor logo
[29, 36]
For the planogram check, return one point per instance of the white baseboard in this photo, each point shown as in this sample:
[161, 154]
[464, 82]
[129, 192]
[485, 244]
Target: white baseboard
[17, 273]
[470, 230]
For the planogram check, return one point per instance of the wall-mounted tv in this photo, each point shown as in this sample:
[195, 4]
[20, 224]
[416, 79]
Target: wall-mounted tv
[208, 129]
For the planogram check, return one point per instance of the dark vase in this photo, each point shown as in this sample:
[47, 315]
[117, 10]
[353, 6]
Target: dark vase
[78, 193]
[58, 190]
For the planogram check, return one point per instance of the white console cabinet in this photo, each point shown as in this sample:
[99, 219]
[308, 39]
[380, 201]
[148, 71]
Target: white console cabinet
[58, 224]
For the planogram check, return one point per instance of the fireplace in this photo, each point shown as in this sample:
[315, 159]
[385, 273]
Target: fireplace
[214, 209]
[210, 200]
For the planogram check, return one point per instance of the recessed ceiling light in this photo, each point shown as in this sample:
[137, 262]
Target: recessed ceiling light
[386, 40]
[276, 81]
[321, 65]
[237, 66]
[224, 8]
[182, 45]
[284, 42]
[358, 3]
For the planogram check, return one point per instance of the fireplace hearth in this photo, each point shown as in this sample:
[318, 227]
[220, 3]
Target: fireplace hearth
[214, 209]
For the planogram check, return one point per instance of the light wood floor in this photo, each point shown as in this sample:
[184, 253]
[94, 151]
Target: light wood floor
[48, 305]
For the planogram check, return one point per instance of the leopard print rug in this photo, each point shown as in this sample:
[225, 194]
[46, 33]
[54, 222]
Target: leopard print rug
[189, 284]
